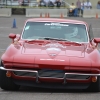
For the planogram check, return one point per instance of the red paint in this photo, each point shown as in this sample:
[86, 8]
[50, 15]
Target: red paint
[97, 40]
[12, 36]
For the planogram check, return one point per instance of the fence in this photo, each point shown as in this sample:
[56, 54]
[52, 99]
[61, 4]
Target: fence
[32, 4]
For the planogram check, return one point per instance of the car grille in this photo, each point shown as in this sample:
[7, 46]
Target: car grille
[20, 73]
[77, 77]
[51, 73]
[48, 73]
[42, 73]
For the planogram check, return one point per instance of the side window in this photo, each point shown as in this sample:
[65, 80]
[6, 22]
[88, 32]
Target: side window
[91, 32]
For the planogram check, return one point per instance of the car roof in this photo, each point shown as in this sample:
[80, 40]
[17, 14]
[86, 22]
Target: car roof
[56, 20]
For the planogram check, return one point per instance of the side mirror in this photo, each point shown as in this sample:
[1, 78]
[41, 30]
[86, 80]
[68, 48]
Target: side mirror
[97, 40]
[12, 36]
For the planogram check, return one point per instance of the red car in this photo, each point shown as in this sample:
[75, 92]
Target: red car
[52, 53]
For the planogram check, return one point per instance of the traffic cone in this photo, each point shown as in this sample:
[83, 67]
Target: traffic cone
[14, 23]
[40, 15]
[61, 16]
[96, 15]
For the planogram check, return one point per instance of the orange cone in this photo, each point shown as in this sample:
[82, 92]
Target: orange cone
[61, 16]
[40, 15]
[96, 15]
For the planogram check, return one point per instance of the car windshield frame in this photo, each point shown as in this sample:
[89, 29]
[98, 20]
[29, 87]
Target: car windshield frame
[57, 22]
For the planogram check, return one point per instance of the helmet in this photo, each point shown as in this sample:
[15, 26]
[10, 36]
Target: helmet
[71, 32]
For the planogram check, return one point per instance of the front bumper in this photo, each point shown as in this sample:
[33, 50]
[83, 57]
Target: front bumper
[52, 85]
[37, 76]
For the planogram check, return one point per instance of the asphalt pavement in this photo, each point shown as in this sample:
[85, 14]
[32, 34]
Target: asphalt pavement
[28, 93]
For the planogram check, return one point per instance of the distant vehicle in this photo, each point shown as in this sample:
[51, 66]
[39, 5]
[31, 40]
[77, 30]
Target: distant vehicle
[52, 53]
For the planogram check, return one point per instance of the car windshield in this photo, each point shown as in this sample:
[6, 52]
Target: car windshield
[66, 31]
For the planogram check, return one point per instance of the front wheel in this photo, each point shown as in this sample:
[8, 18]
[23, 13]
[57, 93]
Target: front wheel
[7, 83]
[95, 87]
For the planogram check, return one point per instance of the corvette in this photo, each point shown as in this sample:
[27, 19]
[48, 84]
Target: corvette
[52, 53]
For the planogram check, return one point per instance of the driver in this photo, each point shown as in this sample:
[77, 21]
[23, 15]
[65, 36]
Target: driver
[73, 35]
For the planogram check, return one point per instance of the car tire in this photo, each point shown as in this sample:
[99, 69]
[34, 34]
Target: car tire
[95, 87]
[7, 83]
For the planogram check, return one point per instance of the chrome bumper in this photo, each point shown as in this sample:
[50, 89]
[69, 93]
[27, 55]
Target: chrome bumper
[37, 75]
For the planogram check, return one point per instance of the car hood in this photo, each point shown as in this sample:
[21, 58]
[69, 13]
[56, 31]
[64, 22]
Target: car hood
[53, 49]
[65, 55]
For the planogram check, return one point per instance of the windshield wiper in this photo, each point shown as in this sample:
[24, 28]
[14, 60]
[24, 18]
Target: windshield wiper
[50, 38]
[59, 39]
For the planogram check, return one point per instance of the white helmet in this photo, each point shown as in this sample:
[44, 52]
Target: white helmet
[72, 32]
